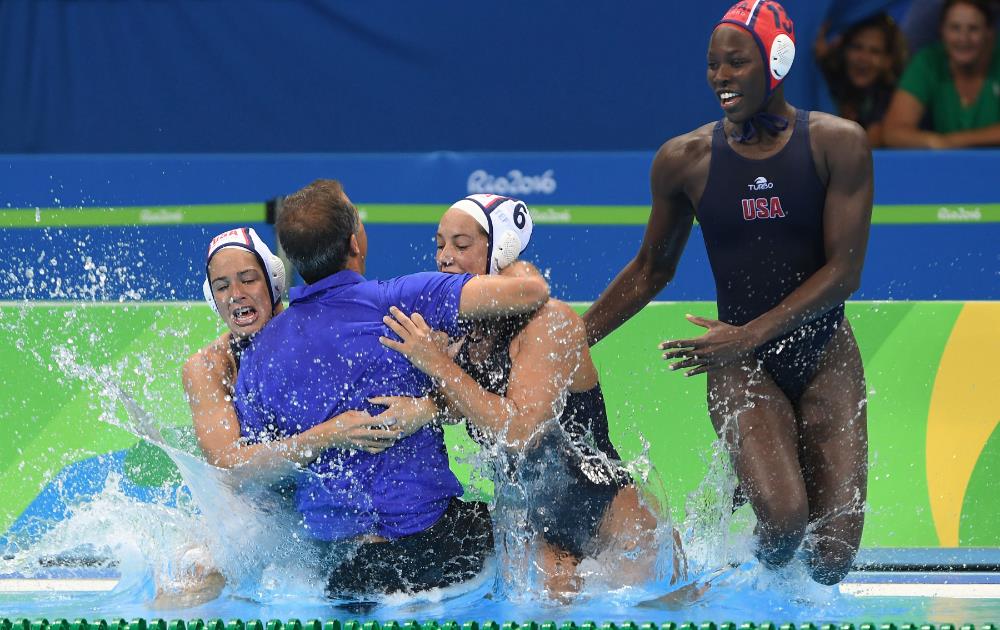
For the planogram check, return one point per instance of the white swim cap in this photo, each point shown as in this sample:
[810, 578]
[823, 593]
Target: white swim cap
[507, 223]
[246, 238]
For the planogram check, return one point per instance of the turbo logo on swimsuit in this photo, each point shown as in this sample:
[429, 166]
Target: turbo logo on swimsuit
[760, 183]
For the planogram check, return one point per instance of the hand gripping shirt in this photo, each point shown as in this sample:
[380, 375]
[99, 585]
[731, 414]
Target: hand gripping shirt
[322, 357]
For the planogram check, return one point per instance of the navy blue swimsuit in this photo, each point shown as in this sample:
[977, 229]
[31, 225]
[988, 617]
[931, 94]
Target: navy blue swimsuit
[763, 226]
[581, 456]
[237, 346]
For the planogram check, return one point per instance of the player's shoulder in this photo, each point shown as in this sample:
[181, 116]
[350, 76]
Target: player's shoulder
[677, 156]
[558, 310]
[688, 145]
[837, 143]
[830, 130]
[554, 321]
[213, 358]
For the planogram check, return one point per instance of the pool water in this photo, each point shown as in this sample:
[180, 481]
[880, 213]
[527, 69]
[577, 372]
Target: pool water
[745, 596]
[267, 566]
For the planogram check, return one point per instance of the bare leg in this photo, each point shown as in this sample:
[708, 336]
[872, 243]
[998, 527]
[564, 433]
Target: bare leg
[757, 423]
[833, 437]
[559, 570]
[626, 539]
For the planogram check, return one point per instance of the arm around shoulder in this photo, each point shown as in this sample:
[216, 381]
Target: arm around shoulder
[518, 289]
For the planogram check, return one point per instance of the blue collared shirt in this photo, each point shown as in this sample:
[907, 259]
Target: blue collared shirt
[322, 357]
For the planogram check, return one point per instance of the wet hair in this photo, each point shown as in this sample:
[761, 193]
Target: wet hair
[986, 7]
[315, 228]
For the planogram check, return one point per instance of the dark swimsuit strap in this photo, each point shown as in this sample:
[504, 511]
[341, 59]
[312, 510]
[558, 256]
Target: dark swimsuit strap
[237, 346]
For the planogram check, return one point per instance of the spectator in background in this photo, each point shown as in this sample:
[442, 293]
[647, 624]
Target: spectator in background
[862, 67]
[920, 23]
[956, 83]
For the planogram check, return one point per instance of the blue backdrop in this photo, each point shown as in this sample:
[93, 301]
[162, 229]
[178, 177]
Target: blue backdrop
[959, 261]
[384, 75]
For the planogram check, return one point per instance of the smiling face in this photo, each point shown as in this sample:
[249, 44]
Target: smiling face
[461, 244]
[866, 57]
[240, 290]
[736, 73]
[966, 35]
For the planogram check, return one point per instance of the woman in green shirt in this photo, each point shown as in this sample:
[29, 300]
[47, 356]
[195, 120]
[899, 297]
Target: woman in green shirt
[956, 84]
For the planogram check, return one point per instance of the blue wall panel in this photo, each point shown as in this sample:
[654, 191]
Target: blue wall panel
[586, 178]
[384, 75]
[905, 261]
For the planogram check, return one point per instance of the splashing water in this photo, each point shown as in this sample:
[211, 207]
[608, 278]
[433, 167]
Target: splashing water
[217, 521]
[220, 521]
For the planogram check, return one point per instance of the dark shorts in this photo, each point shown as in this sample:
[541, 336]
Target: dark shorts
[565, 503]
[451, 551]
[792, 360]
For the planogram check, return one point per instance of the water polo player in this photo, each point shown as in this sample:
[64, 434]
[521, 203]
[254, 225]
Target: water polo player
[391, 520]
[243, 285]
[510, 379]
[784, 200]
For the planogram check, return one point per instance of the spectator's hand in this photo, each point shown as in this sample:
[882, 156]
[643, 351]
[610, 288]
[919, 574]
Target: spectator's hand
[409, 414]
[937, 140]
[822, 46]
[359, 430]
[424, 348]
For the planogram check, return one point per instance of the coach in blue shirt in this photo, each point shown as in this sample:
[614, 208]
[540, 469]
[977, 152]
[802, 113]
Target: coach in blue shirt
[386, 485]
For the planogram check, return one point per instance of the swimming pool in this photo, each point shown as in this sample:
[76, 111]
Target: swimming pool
[931, 478]
[150, 339]
[900, 597]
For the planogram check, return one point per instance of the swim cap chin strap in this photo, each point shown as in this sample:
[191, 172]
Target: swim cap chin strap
[246, 238]
[507, 223]
[769, 122]
[774, 32]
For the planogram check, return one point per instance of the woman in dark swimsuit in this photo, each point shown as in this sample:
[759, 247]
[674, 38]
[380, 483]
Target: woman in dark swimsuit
[784, 200]
[511, 380]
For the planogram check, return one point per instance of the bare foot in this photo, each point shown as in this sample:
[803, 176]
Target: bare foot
[678, 599]
[208, 587]
[195, 582]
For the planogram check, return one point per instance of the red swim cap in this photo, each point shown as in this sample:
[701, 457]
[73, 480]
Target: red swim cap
[774, 32]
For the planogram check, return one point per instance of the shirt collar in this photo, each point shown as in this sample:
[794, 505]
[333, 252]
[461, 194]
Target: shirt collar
[342, 278]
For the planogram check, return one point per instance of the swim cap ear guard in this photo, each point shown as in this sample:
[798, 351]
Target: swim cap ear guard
[774, 32]
[246, 238]
[507, 223]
